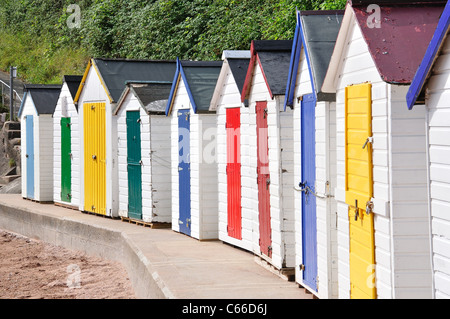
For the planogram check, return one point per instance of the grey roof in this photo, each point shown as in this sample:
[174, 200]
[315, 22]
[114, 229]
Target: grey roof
[239, 69]
[201, 77]
[116, 72]
[275, 57]
[320, 30]
[45, 97]
[73, 83]
[152, 96]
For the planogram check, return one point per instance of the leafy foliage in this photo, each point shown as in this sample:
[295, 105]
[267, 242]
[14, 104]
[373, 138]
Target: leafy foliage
[36, 37]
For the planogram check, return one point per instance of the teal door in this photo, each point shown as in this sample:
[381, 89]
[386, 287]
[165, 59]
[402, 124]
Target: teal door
[134, 165]
[66, 161]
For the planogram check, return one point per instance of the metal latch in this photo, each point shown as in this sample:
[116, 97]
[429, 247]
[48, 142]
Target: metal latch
[267, 183]
[369, 140]
[369, 207]
[356, 210]
[266, 111]
[302, 267]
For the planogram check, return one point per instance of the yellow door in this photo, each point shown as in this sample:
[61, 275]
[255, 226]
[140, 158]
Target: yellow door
[359, 189]
[94, 158]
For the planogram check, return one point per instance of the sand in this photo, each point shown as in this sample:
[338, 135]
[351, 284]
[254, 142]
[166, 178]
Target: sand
[31, 269]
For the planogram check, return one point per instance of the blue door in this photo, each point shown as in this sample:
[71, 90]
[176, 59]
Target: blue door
[309, 228]
[184, 171]
[30, 156]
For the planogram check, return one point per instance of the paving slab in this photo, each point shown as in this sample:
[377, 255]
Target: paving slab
[161, 263]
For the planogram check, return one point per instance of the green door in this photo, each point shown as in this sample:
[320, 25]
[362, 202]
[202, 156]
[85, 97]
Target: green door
[134, 165]
[66, 161]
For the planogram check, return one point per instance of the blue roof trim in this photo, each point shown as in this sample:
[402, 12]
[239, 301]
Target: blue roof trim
[299, 43]
[430, 57]
[293, 67]
[22, 104]
[173, 89]
[188, 89]
[179, 72]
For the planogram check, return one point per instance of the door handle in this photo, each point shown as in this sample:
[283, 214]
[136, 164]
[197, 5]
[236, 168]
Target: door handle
[267, 183]
[94, 157]
[356, 210]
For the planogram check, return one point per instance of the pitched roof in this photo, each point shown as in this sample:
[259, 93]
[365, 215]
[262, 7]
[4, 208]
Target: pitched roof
[153, 96]
[114, 73]
[416, 92]
[398, 46]
[200, 78]
[236, 62]
[316, 33]
[45, 97]
[274, 58]
[73, 83]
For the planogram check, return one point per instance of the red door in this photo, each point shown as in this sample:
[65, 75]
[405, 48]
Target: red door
[265, 236]
[234, 173]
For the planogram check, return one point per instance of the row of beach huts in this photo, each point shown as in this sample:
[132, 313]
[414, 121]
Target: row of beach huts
[327, 155]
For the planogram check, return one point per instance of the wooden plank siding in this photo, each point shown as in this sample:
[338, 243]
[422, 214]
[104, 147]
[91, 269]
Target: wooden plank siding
[204, 217]
[438, 130]
[94, 92]
[281, 167]
[72, 113]
[230, 98]
[325, 184]
[399, 197]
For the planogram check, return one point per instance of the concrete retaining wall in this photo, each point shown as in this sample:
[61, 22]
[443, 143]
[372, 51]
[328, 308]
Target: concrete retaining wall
[93, 240]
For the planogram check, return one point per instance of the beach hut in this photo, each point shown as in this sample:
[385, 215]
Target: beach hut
[234, 227]
[383, 233]
[36, 117]
[101, 88]
[314, 151]
[194, 167]
[267, 161]
[144, 152]
[430, 87]
[66, 145]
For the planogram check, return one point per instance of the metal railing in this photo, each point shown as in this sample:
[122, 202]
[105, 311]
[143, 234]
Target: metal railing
[8, 86]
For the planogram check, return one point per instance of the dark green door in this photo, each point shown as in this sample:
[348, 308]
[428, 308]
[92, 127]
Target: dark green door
[134, 165]
[66, 161]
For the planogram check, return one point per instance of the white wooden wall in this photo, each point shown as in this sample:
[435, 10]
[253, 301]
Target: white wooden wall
[401, 239]
[438, 120]
[155, 152]
[28, 109]
[94, 92]
[66, 109]
[160, 183]
[281, 167]
[43, 153]
[230, 98]
[325, 172]
[204, 202]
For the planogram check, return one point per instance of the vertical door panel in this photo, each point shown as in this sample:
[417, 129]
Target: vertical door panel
[359, 189]
[233, 127]
[309, 217]
[134, 165]
[30, 156]
[184, 171]
[66, 161]
[95, 158]
[265, 231]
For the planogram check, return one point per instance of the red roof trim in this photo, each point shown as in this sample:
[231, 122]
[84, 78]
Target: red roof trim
[249, 76]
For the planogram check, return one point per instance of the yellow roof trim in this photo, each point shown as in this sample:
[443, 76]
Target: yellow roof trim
[83, 82]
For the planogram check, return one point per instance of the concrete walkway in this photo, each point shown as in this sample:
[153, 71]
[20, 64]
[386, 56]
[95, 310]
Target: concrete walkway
[160, 262]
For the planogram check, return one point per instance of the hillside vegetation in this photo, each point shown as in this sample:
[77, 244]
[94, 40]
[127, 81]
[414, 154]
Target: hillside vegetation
[44, 39]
